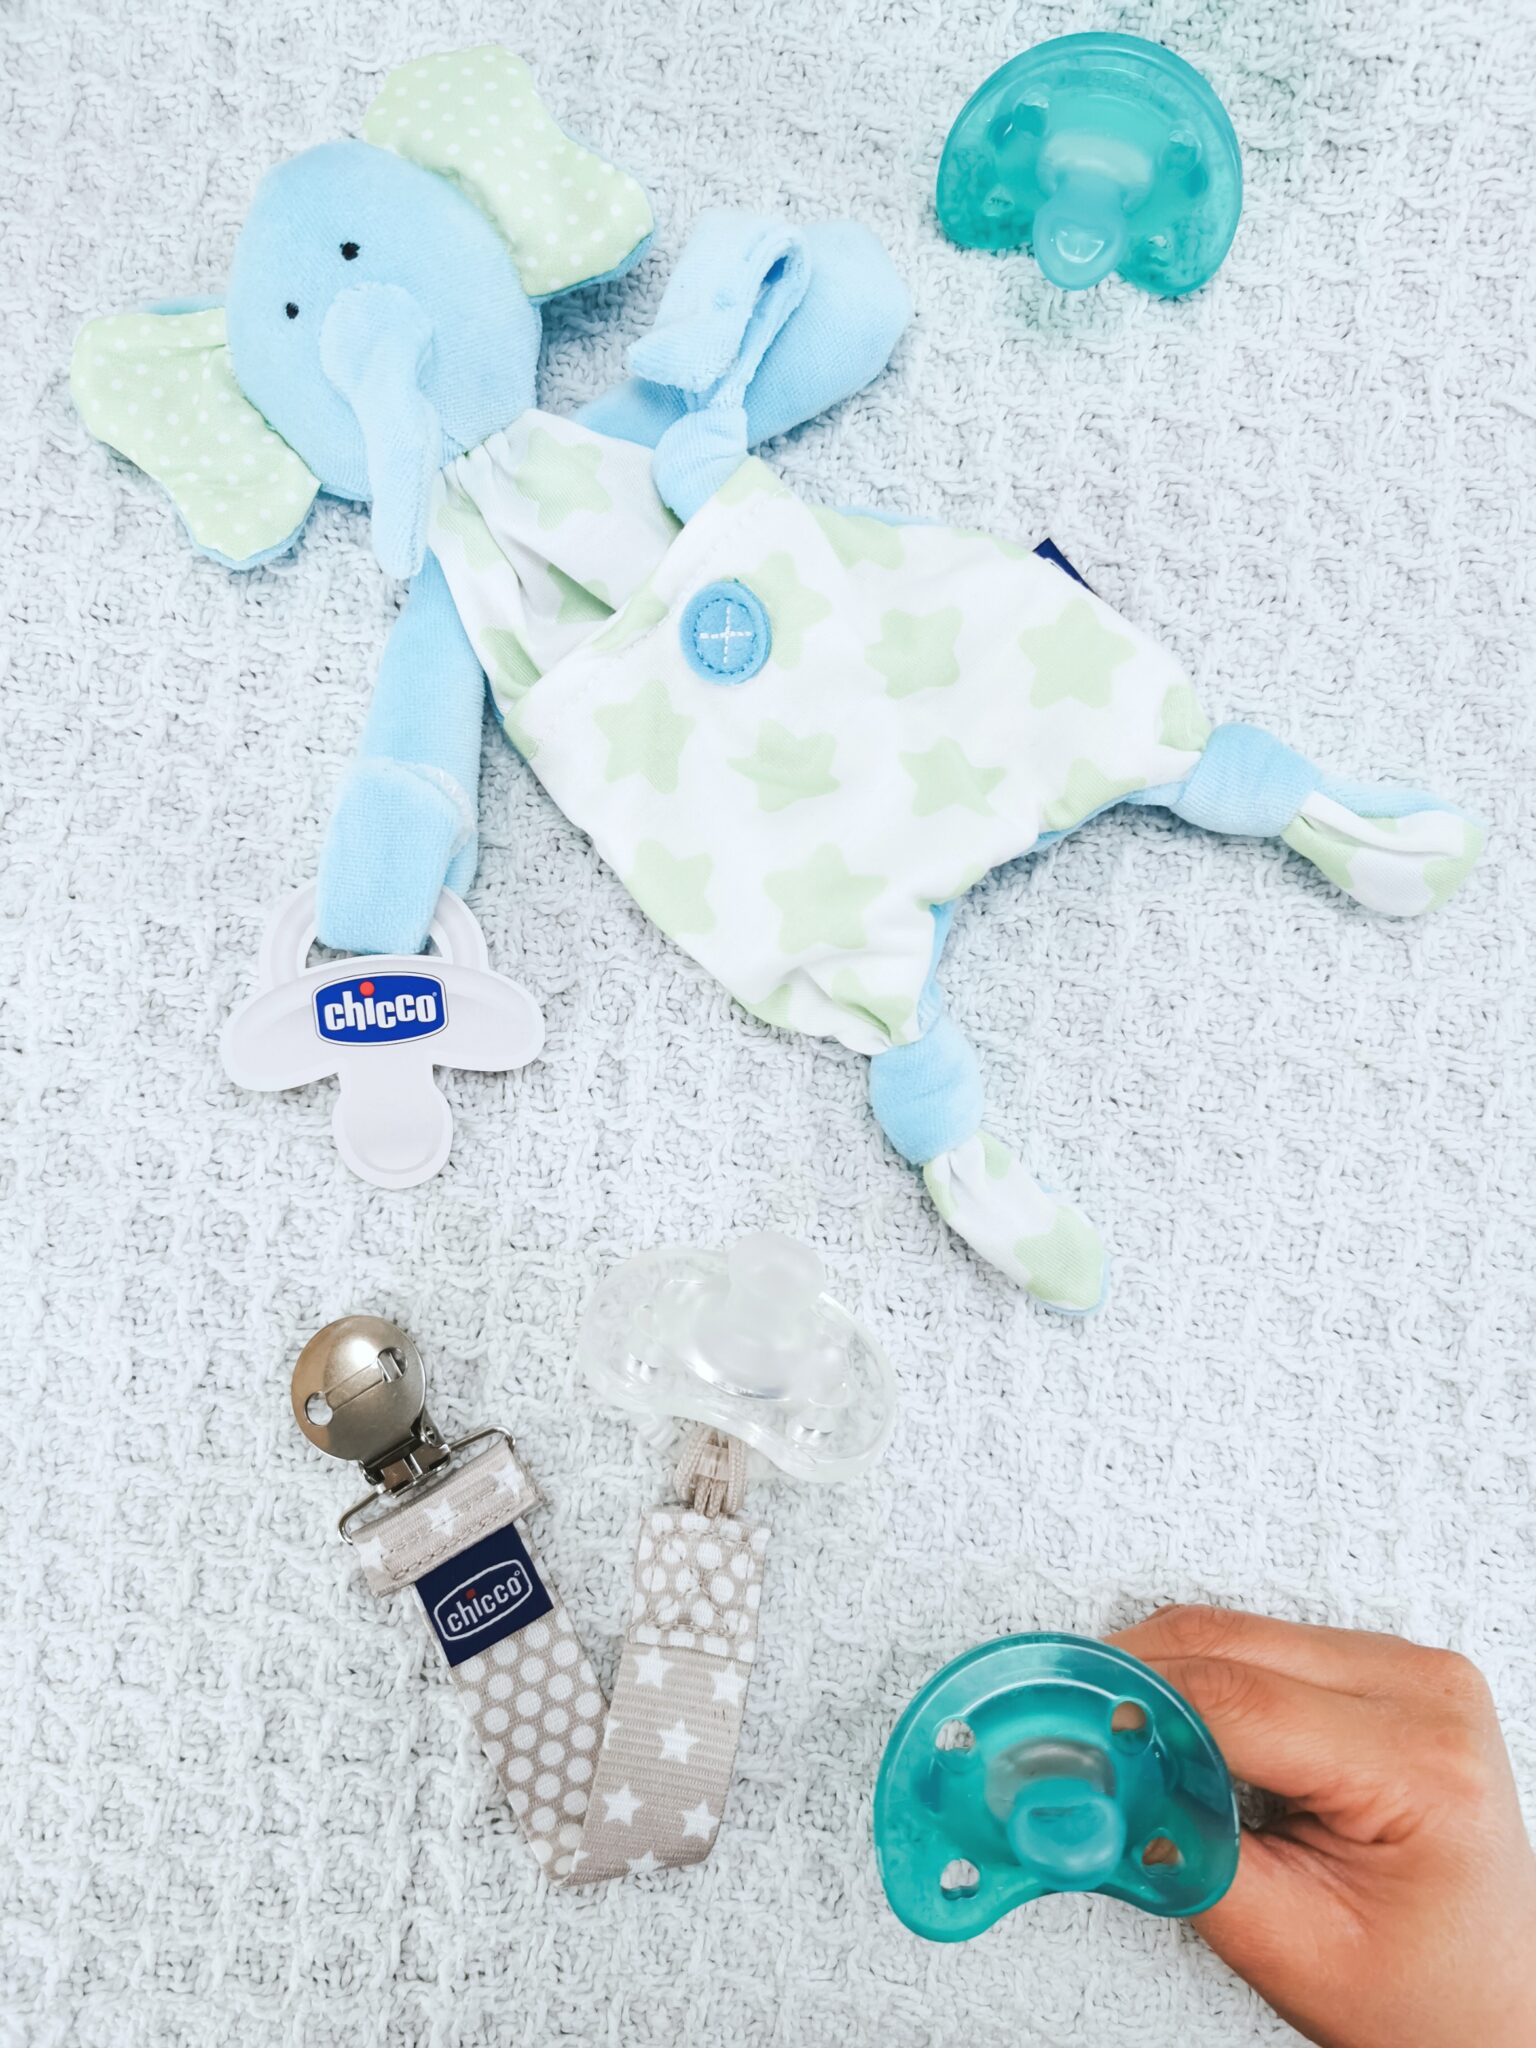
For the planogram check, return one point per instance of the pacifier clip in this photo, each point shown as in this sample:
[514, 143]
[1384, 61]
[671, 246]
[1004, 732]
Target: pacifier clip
[599, 1790]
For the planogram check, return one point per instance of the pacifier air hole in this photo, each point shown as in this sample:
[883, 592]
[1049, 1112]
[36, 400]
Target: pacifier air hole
[1131, 1726]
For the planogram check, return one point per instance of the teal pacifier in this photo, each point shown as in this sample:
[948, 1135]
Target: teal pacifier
[1098, 153]
[1043, 1764]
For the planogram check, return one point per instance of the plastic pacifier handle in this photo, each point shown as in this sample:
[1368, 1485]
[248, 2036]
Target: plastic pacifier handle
[1048, 1763]
[381, 1025]
[749, 1342]
[1100, 153]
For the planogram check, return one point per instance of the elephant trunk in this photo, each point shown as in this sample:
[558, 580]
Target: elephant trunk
[374, 347]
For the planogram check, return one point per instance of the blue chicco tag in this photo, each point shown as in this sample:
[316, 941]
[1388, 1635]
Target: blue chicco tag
[482, 1594]
[380, 1009]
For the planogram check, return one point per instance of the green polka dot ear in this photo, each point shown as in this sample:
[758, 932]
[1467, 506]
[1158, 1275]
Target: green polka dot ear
[159, 388]
[475, 117]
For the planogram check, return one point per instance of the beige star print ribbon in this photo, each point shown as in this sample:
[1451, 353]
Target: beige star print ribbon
[599, 1792]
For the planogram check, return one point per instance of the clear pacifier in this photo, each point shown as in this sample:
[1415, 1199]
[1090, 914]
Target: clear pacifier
[1050, 1763]
[1098, 152]
[748, 1341]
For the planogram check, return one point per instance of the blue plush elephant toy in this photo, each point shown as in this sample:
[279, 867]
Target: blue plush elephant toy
[798, 735]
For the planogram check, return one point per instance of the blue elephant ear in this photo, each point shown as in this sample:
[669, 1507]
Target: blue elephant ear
[160, 389]
[476, 118]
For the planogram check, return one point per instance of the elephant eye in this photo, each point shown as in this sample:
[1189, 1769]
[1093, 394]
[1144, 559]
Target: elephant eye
[349, 250]
[291, 310]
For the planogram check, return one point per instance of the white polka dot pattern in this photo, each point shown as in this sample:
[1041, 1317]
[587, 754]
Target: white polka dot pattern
[160, 389]
[475, 117]
[600, 1794]
[697, 1583]
[538, 1710]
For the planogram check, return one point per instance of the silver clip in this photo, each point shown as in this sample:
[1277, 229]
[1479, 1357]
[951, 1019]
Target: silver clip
[360, 1392]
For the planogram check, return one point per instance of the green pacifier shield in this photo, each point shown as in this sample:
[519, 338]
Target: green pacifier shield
[1099, 153]
[1049, 1764]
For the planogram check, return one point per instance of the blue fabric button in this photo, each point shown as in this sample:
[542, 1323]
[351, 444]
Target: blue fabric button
[725, 633]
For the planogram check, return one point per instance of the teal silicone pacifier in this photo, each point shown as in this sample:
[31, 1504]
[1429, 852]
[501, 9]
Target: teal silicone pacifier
[1099, 153]
[1047, 1763]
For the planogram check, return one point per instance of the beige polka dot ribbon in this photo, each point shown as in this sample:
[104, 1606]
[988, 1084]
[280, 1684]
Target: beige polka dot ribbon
[599, 1791]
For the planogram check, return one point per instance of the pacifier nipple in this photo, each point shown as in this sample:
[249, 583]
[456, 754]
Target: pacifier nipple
[1068, 1832]
[759, 1333]
[750, 1342]
[1080, 231]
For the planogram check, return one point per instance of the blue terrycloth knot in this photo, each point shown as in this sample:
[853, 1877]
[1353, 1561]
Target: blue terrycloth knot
[736, 285]
[1247, 782]
[926, 1096]
[697, 454]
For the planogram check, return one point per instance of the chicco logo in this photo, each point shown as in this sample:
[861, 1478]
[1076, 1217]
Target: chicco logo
[380, 1011]
[479, 1603]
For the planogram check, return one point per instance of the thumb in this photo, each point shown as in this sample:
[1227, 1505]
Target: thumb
[1281, 1916]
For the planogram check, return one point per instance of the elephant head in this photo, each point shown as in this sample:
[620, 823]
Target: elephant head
[381, 316]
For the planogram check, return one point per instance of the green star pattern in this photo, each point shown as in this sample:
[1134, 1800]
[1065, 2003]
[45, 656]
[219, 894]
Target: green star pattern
[917, 651]
[943, 776]
[995, 1156]
[645, 737]
[751, 479]
[673, 890]
[821, 903]
[462, 519]
[1075, 657]
[578, 604]
[1323, 849]
[560, 479]
[513, 669]
[775, 1006]
[890, 1012]
[787, 769]
[940, 1192]
[1066, 1263]
[856, 538]
[643, 611]
[1088, 789]
[1446, 873]
[1181, 722]
[792, 609]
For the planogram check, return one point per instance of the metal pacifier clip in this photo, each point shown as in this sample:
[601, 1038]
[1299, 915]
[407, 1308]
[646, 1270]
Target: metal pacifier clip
[748, 1346]
[380, 1025]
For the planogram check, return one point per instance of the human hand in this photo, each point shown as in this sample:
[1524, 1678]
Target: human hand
[1393, 1905]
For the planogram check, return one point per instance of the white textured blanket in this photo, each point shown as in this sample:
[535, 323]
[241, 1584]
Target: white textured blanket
[241, 1802]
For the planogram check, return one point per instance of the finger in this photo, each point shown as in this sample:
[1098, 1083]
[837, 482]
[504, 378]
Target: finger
[1345, 1660]
[1300, 1741]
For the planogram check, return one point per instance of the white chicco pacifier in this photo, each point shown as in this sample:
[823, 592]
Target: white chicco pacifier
[380, 1024]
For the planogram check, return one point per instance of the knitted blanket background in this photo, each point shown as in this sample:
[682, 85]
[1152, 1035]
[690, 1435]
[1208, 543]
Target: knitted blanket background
[241, 1802]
